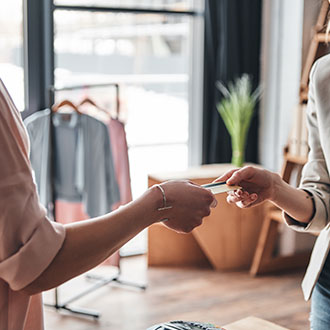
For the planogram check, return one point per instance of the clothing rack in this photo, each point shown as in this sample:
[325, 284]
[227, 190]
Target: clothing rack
[53, 90]
[100, 280]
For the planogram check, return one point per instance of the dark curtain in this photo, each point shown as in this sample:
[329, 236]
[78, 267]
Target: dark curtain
[232, 47]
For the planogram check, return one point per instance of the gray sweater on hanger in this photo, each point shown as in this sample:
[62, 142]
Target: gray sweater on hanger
[84, 169]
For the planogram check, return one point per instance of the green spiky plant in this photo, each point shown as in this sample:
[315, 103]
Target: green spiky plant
[236, 109]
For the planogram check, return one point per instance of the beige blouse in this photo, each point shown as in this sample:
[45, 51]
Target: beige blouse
[28, 240]
[315, 176]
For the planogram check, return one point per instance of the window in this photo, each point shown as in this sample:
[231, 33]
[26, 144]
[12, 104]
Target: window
[148, 56]
[11, 50]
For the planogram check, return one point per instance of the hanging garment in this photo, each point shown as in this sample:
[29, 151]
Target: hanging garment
[120, 157]
[119, 151]
[84, 169]
[28, 240]
[121, 163]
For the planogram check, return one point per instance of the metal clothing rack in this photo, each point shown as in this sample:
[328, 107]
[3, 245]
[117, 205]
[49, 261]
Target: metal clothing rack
[100, 280]
[53, 90]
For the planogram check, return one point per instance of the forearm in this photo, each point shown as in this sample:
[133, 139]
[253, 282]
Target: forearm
[295, 202]
[89, 242]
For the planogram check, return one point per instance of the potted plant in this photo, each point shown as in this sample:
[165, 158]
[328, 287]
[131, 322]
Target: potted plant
[236, 109]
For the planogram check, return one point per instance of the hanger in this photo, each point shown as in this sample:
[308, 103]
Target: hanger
[90, 101]
[64, 103]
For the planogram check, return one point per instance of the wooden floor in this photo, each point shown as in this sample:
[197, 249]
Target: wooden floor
[189, 294]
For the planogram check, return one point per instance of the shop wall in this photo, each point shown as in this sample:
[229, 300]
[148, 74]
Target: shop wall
[287, 31]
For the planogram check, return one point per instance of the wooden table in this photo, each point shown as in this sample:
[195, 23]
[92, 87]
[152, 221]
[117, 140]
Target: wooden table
[253, 323]
[226, 240]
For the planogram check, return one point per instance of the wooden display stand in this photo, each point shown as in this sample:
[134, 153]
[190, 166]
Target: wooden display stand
[226, 240]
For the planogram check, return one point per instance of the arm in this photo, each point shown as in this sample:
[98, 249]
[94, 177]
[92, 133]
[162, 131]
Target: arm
[260, 185]
[89, 242]
[36, 254]
[296, 203]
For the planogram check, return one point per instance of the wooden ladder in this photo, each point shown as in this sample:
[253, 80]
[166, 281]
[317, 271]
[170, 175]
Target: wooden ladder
[318, 47]
[265, 260]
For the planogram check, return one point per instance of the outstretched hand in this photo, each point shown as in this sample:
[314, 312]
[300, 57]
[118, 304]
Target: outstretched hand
[190, 204]
[258, 185]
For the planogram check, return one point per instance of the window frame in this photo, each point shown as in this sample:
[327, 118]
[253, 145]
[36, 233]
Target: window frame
[38, 54]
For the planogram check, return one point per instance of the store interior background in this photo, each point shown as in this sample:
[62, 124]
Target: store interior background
[157, 60]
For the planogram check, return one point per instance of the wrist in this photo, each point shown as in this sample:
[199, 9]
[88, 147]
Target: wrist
[155, 199]
[278, 187]
[152, 206]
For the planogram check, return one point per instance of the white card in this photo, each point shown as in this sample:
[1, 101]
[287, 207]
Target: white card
[220, 187]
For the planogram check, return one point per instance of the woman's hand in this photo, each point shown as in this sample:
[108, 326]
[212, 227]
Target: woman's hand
[190, 204]
[258, 185]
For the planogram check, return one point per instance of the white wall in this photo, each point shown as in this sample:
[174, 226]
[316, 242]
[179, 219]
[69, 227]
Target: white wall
[286, 35]
[281, 68]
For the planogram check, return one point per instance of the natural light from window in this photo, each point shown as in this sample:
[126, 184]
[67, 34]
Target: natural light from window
[148, 56]
[11, 49]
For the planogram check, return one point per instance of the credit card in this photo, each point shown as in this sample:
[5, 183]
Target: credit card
[219, 187]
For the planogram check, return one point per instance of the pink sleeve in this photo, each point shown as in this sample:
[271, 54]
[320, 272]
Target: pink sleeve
[28, 240]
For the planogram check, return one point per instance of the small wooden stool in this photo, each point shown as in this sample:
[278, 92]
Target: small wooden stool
[253, 323]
